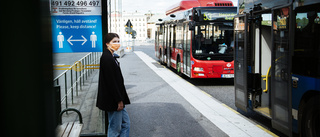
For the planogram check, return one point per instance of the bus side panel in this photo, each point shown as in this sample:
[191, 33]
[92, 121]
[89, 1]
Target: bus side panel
[302, 84]
[301, 87]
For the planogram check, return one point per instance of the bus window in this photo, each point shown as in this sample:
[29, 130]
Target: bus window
[306, 57]
[210, 31]
[203, 32]
[266, 20]
[207, 31]
[213, 40]
[216, 33]
[196, 30]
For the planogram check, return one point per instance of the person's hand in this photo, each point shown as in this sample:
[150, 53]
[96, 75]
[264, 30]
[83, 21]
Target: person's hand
[120, 106]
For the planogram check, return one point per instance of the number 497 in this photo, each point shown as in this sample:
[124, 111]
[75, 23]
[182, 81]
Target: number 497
[94, 3]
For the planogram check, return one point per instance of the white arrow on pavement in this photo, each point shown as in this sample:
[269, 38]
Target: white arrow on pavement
[84, 40]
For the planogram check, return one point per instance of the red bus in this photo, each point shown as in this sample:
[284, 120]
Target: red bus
[196, 38]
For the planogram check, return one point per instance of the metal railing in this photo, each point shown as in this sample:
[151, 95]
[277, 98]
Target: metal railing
[75, 75]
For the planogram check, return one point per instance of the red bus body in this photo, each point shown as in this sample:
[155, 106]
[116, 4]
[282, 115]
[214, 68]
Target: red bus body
[187, 4]
[178, 44]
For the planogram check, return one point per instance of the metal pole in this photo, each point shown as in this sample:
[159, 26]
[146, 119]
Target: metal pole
[104, 32]
[86, 60]
[84, 69]
[66, 89]
[104, 19]
[80, 75]
[76, 66]
[71, 86]
[88, 65]
[83, 73]
[95, 57]
[90, 58]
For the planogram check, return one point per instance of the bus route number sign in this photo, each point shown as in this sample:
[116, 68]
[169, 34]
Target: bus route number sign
[209, 16]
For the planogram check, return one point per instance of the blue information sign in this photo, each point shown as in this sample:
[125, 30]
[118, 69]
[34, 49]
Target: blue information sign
[76, 26]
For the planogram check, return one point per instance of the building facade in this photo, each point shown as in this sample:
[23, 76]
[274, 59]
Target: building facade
[143, 23]
[138, 20]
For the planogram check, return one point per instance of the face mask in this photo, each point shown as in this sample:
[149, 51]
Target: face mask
[115, 46]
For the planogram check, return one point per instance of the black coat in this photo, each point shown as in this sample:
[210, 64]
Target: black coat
[111, 88]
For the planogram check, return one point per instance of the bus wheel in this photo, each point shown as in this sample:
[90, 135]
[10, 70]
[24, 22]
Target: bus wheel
[311, 118]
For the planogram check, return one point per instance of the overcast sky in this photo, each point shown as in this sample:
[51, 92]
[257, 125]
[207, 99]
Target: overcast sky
[155, 6]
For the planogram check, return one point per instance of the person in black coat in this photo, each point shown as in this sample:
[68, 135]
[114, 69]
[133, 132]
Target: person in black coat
[112, 95]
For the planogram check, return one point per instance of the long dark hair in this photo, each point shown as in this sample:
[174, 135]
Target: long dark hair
[108, 37]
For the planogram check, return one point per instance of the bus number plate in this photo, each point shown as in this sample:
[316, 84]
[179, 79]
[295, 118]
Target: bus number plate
[227, 76]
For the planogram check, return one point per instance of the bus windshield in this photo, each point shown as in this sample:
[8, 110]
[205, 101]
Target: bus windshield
[213, 41]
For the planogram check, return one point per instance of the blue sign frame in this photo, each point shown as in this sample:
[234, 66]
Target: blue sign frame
[76, 28]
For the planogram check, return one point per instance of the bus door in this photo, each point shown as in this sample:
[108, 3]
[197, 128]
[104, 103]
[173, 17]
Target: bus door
[186, 50]
[157, 41]
[173, 44]
[281, 71]
[165, 44]
[240, 63]
[169, 45]
[160, 43]
[262, 46]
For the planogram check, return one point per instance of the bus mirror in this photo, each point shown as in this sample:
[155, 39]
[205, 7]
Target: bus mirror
[191, 25]
[196, 15]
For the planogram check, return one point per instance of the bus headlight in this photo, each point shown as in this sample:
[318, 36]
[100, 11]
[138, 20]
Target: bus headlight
[197, 69]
